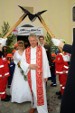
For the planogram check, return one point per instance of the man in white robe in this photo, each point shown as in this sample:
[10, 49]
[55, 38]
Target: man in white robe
[37, 86]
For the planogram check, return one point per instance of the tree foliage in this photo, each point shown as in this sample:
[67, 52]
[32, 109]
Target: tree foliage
[49, 41]
[11, 38]
[5, 28]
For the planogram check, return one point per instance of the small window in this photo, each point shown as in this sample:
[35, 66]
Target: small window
[74, 13]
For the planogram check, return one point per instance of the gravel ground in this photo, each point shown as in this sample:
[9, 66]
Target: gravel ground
[53, 103]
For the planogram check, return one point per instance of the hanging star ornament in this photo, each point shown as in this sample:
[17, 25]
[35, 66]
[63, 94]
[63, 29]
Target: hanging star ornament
[32, 18]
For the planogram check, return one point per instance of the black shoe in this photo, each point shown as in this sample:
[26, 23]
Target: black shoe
[60, 97]
[8, 97]
[5, 100]
[58, 93]
[9, 86]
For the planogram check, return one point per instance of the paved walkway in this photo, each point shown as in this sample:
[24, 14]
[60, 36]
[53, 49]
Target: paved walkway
[53, 103]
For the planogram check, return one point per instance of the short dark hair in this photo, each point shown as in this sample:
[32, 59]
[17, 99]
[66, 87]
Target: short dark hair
[41, 36]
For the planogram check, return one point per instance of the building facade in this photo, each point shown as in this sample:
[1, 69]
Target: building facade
[59, 15]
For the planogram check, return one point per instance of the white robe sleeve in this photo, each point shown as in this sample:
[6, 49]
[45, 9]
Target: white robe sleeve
[46, 68]
[24, 65]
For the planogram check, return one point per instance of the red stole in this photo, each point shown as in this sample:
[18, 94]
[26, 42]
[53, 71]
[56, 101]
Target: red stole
[39, 77]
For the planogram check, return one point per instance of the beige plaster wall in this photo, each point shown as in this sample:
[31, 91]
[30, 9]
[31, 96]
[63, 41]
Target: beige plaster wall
[58, 16]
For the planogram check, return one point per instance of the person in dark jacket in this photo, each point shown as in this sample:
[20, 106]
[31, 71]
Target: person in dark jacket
[11, 65]
[68, 100]
[47, 48]
[53, 74]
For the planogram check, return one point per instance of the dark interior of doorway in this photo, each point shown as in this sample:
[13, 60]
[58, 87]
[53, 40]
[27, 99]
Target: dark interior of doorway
[73, 33]
[25, 39]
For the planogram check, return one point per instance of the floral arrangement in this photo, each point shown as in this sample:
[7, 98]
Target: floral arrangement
[22, 72]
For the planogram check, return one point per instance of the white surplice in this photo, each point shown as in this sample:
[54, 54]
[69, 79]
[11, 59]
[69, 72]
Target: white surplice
[46, 74]
[20, 90]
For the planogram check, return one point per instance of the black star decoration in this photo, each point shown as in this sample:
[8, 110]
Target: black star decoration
[31, 16]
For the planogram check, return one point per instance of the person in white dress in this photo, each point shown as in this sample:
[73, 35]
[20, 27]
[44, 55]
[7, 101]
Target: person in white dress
[35, 64]
[20, 90]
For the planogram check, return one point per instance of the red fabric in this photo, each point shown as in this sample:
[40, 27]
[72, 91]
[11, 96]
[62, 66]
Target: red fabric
[61, 66]
[6, 68]
[4, 71]
[59, 62]
[39, 80]
[3, 84]
[9, 55]
[1, 67]
[62, 80]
